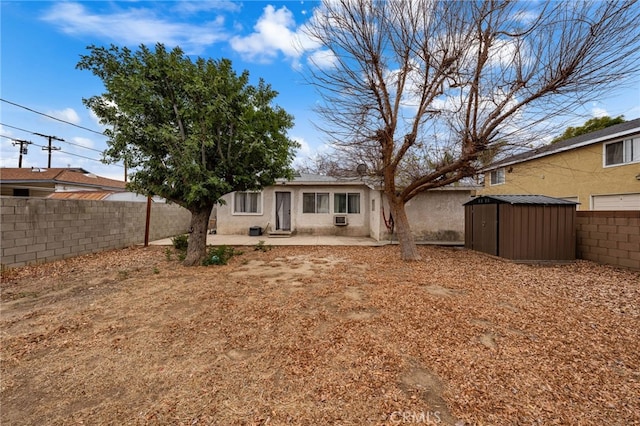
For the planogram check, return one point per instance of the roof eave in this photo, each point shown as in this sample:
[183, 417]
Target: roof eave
[318, 183]
[603, 138]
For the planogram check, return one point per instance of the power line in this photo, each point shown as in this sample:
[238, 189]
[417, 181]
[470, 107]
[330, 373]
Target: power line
[65, 152]
[24, 145]
[67, 142]
[88, 158]
[50, 148]
[52, 117]
[16, 128]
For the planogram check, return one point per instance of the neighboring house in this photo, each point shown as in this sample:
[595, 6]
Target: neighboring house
[322, 205]
[41, 183]
[599, 170]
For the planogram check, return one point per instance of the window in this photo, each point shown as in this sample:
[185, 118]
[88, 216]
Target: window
[315, 202]
[247, 202]
[497, 176]
[20, 192]
[346, 203]
[622, 152]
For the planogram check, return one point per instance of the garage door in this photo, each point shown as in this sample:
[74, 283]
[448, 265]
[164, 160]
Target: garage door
[616, 202]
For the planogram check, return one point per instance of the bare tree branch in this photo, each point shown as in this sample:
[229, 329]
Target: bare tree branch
[422, 89]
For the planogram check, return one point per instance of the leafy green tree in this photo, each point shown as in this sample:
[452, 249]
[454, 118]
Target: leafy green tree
[192, 130]
[589, 126]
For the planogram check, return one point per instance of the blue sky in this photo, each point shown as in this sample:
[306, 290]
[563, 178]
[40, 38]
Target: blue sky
[41, 43]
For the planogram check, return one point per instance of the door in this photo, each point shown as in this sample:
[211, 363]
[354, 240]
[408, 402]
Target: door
[485, 228]
[616, 202]
[283, 211]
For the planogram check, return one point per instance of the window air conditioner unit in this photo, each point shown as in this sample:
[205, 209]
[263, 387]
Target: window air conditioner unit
[340, 220]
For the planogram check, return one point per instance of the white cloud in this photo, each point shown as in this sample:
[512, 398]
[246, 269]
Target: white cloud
[85, 142]
[109, 172]
[9, 160]
[193, 7]
[8, 153]
[526, 16]
[308, 153]
[134, 26]
[597, 111]
[322, 59]
[67, 114]
[5, 131]
[272, 35]
[504, 52]
[304, 150]
[275, 33]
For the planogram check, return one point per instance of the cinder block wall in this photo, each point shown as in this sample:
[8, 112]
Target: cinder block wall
[611, 237]
[35, 230]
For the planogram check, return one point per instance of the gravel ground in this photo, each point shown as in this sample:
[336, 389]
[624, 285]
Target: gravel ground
[319, 335]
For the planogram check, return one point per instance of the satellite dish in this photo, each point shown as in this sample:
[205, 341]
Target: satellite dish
[361, 169]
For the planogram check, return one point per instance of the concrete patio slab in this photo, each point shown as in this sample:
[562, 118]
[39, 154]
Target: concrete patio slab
[295, 240]
[301, 240]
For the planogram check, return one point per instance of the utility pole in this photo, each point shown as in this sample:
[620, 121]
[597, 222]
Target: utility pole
[50, 148]
[23, 149]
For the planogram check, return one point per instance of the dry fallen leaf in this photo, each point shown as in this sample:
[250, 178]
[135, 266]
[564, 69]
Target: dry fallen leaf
[319, 335]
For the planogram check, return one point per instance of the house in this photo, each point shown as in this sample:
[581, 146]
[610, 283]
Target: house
[68, 183]
[599, 170]
[323, 205]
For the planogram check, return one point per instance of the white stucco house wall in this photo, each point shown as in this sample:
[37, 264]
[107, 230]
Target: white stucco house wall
[322, 205]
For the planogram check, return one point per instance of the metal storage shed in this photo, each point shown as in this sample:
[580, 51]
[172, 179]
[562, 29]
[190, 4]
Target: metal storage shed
[525, 228]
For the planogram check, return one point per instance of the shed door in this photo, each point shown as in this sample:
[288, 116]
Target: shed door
[485, 228]
[616, 202]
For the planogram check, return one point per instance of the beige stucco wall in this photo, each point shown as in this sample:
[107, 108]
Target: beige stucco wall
[438, 215]
[435, 215]
[229, 223]
[575, 173]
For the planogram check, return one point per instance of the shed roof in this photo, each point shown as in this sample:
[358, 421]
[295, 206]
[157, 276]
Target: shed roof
[519, 199]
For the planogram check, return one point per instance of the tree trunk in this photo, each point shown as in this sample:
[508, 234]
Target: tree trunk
[197, 248]
[408, 248]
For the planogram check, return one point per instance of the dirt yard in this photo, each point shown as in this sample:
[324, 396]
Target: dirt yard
[319, 335]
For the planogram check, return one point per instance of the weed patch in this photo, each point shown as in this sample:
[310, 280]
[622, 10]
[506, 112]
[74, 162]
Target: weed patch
[180, 242]
[261, 246]
[219, 255]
